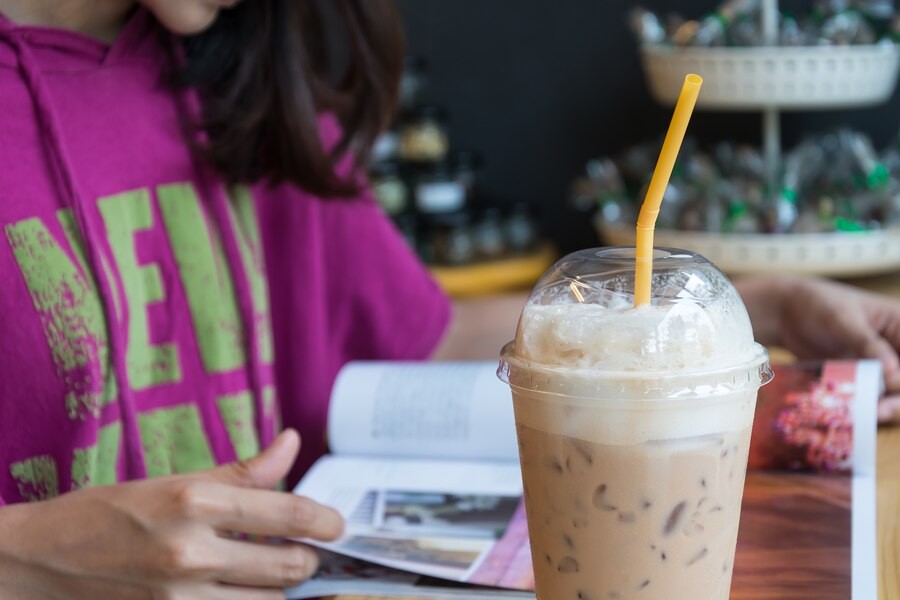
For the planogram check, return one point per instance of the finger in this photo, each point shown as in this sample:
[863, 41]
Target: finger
[267, 565]
[892, 383]
[888, 316]
[889, 409]
[265, 469]
[880, 349]
[865, 342]
[268, 513]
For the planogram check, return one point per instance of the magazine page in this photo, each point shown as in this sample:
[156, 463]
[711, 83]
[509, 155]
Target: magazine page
[345, 576]
[818, 417]
[424, 409]
[460, 521]
[812, 494]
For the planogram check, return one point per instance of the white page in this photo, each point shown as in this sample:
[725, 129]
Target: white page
[864, 556]
[433, 409]
[865, 430]
[865, 418]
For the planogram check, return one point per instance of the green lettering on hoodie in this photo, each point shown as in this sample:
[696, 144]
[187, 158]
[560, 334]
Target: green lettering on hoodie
[65, 296]
[36, 477]
[206, 279]
[239, 415]
[248, 237]
[96, 465]
[149, 364]
[174, 441]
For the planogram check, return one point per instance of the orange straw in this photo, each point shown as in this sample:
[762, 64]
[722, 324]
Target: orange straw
[646, 222]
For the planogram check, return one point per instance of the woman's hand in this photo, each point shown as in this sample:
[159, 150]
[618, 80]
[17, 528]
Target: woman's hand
[820, 319]
[167, 538]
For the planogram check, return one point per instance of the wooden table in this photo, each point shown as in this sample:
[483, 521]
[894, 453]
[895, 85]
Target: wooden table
[889, 513]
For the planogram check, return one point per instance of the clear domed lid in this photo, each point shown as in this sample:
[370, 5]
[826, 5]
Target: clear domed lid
[605, 277]
[581, 315]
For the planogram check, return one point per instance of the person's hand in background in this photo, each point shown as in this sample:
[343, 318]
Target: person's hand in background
[820, 319]
[170, 537]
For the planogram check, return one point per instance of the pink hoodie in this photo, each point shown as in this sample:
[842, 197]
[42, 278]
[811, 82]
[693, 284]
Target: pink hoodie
[153, 321]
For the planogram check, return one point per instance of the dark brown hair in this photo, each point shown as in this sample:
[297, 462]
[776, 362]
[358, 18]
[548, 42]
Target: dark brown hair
[266, 68]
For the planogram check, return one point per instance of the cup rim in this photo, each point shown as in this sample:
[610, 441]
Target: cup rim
[522, 374]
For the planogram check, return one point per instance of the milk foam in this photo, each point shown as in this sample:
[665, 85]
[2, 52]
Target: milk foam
[610, 353]
[680, 336]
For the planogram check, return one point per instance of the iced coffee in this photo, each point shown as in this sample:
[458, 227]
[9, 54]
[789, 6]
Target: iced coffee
[633, 426]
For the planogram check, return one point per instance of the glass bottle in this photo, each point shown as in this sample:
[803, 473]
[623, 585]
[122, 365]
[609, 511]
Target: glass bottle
[439, 191]
[451, 239]
[423, 136]
[487, 235]
[389, 189]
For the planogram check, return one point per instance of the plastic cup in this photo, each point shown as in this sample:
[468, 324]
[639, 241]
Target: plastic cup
[633, 426]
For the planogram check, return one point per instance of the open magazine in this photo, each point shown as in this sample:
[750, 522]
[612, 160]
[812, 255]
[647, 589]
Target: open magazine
[424, 468]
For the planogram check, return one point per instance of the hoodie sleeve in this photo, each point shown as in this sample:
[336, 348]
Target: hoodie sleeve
[387, 305]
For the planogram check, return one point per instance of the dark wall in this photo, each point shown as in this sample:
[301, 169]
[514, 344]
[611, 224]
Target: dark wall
[540, 86]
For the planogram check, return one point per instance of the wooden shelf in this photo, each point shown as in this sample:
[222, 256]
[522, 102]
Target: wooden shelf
[484, 278]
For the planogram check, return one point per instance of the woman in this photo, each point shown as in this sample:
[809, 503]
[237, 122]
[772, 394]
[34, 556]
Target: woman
[189, 258]
[140, 329]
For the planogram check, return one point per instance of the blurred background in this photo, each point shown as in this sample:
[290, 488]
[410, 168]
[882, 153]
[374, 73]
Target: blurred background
[527, 94]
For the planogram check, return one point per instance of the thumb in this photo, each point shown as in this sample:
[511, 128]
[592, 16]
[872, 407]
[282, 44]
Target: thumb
[265, 469]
